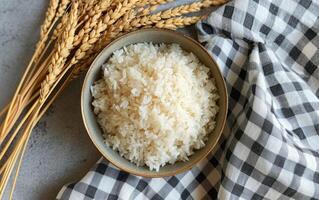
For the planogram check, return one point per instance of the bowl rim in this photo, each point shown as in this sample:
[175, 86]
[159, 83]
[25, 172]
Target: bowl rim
[154, 174]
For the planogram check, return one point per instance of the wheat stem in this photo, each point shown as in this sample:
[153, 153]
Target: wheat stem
[13, 159]
[5, 176]
[14, 134]
[4, 110]
[33, 71]
[3, 167]
[13, 112]
[34, 120]
[8, 170]
[17, 110]
[21, 158]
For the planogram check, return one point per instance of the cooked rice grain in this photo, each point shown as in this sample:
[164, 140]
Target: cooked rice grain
[156, 104]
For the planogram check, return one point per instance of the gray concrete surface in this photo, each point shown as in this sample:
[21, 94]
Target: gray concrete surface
[59, 150]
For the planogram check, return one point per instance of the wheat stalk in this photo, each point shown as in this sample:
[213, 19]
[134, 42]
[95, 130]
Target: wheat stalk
[50, 14]
[54, 67]
[42, 48]
[43, 37]
[45, 30]
[63, 50]
[57, 60]
[60, 10]
[170, 13]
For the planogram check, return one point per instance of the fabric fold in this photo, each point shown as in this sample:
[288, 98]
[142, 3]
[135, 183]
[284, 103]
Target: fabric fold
[268, 54]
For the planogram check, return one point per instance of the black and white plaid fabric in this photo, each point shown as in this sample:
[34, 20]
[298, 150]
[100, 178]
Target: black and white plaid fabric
[268, 53]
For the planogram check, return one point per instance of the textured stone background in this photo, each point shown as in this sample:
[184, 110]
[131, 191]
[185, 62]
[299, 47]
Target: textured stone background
[59, 150]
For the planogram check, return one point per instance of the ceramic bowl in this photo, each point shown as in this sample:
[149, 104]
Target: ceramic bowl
[94, 73]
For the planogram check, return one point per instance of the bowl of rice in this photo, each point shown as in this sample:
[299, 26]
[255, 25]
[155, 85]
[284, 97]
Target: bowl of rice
[154, 103]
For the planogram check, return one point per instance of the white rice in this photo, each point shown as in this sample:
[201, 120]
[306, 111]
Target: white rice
[156, 104]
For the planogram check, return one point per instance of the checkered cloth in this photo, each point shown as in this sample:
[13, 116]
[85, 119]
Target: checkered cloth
[268, 53]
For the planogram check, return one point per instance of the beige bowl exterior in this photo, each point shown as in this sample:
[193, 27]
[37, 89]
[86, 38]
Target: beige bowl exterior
[94, 73]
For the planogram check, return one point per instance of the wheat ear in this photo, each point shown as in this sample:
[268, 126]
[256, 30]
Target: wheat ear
[151, 6]
[178, 22]
[188, 8]
[50, 14]
[59, 28]
[122, 9]
[87, 5]
[64, 47]
[170, 13]
[119, 11]
[61, 10]
[94, 14]
[147, 3]
[126, 24]
[62, 7]
[116, 30]
[108, 35]
[89, 40]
